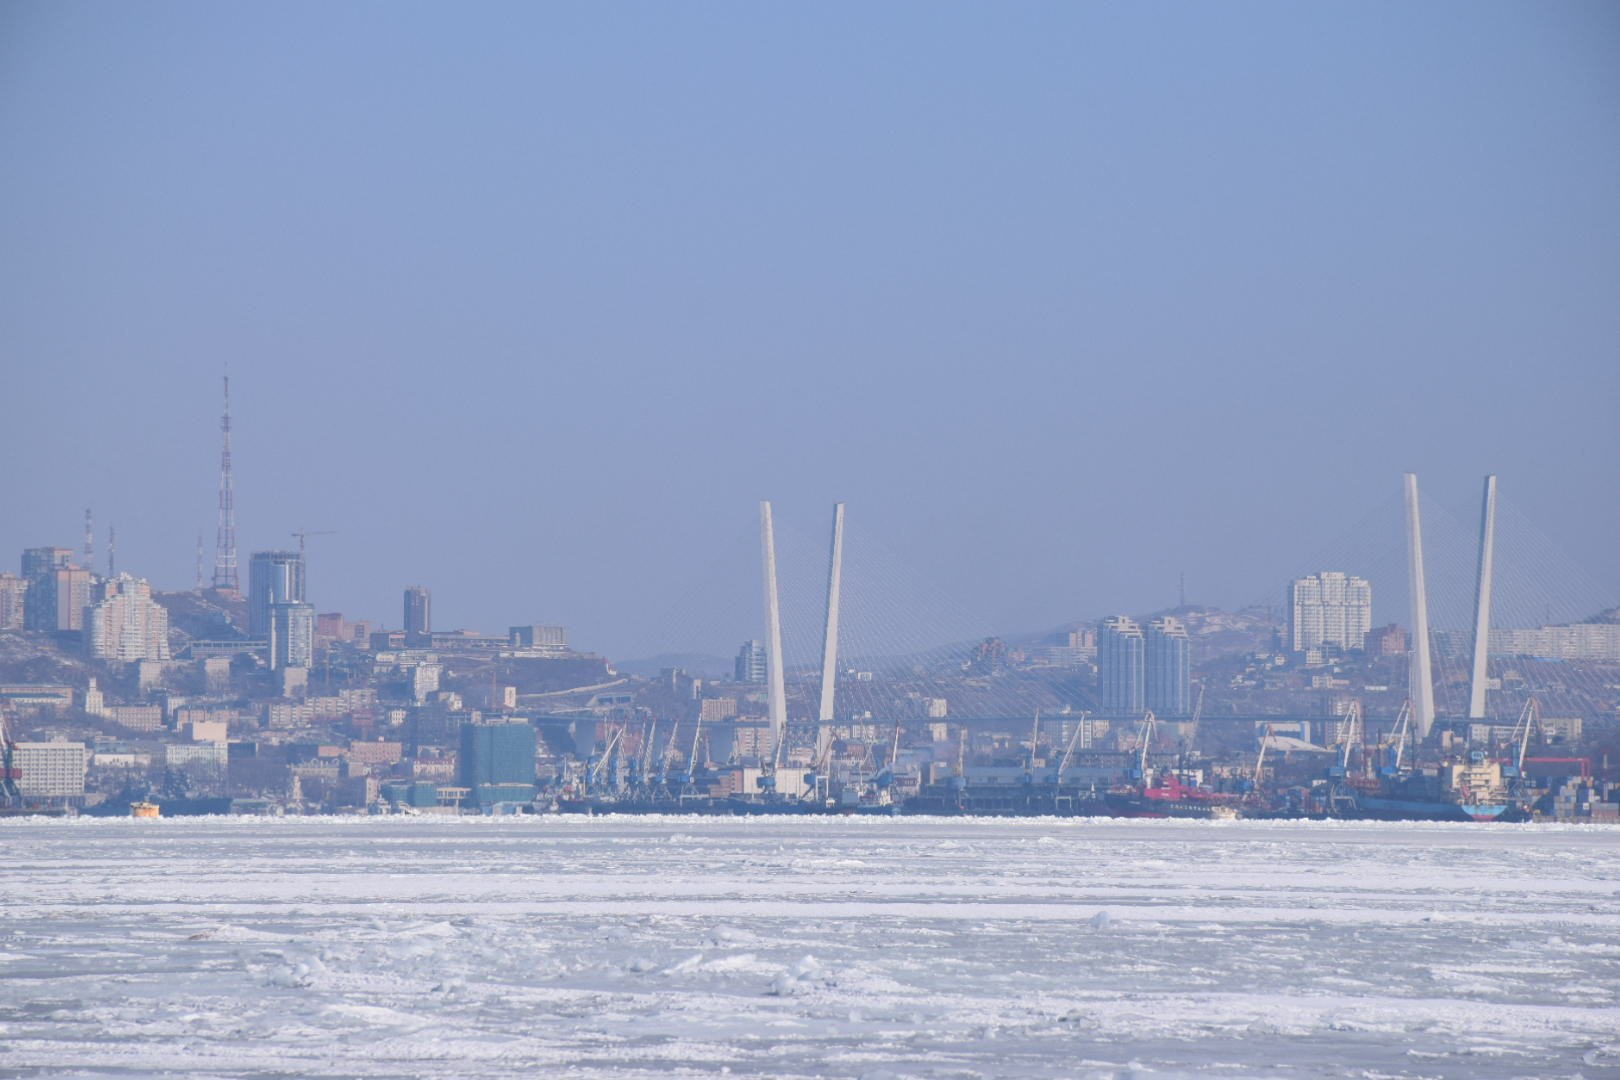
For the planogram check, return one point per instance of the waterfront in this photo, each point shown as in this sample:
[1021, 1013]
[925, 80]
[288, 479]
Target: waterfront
[806, 947]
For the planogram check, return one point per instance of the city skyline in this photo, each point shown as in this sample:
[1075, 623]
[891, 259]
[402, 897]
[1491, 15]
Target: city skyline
[1059, 333]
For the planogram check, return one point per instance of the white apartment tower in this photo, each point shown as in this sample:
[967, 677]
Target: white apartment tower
[1330, 608]
[125, 624]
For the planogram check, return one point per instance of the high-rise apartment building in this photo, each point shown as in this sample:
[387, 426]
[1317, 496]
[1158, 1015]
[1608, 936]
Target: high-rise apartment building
[51, 603]
[37, 562]
[13, 601]
[496, 761]
[274, 577]
[750, 665]
[57, 599]
[1329, 609]
[1122, 665]
[418, 616]
[291, 635]
[125, 624]
[1169, 667]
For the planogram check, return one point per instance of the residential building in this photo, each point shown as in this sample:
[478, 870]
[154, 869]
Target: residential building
[496, 762]
[1168, 667]
[51, 770]
[292, 635]
[1121, 665]
[750, 664]
[13, 601]
[1329, 609]
[1577, 641]
[418, 617]
[552, 638]
[37, 562]
[125, 624]
[1387, 640]
[274, 577]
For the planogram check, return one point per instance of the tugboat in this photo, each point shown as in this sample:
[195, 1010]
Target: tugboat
[1168, 794]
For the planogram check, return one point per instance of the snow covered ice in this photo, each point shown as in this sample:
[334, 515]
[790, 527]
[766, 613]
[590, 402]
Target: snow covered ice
[851, 947]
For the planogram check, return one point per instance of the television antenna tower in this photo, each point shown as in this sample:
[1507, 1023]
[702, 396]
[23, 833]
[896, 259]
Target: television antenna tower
[225, 576]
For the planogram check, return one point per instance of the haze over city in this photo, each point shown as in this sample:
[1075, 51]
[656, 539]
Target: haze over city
[534, 303]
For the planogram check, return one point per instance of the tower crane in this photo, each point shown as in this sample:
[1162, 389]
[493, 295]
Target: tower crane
[303, 536]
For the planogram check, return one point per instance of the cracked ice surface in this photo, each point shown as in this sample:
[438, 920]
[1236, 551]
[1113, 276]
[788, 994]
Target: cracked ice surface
[628, 947]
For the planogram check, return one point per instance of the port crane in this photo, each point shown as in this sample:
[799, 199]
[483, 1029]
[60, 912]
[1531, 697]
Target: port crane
[10, 793]
[1060, 800]
[1145, 739]
[1403, 724]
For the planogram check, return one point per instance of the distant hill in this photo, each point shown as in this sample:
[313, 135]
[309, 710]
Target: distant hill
[705, 667]
[35, 658]
[204, 616]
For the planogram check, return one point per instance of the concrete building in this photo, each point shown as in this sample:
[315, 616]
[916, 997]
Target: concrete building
[51, 770]
[13, 601]
[750, 664]
[496, 762]
[125, 624]
[1329, 609]
[37, 562]
[57, 596]
[292, 636]
[274, 577]
[1168, 667]
[1593, 642]
[1122, 665]
[1389, 640]
[543, 638]
[418, 616]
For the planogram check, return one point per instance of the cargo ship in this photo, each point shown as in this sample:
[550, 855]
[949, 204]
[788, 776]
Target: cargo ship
[1472, 790]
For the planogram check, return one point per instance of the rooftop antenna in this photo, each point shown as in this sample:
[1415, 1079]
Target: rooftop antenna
[112, 552]
[89, 541]
[1183, 592]
[225, 576]
[199, 563]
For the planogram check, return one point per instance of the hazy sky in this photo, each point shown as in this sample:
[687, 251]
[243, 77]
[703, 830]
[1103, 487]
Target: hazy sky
[532, 303]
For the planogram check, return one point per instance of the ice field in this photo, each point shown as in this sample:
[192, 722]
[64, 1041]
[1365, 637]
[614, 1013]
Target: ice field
[628, 947]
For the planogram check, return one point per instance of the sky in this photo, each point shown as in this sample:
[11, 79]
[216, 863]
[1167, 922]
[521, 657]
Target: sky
[533, 303]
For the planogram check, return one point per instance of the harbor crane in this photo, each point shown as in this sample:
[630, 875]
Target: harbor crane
[10, 794]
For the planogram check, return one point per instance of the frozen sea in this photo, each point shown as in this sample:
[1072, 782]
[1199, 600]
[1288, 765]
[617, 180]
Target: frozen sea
[632, 947]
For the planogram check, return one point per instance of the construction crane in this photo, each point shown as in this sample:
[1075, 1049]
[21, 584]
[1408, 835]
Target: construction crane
[303, 536]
